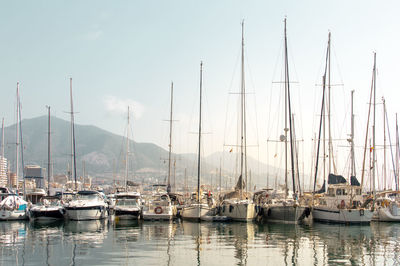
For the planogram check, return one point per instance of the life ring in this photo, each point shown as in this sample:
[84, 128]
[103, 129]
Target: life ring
[342, 204]
[158, 210]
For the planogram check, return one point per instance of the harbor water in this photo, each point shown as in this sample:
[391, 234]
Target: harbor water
[108, 242]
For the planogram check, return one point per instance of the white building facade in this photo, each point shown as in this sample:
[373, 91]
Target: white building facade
[3, 172]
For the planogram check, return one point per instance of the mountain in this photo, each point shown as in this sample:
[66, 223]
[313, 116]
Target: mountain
[99, 149]
[103, 153]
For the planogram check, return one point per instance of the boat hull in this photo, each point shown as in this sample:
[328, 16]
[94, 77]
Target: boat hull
[127, 214]
[86, 213]
[195, 211]
[239, 211]
[11, 215]
[285, 214]
[384, 215]
[158, 213]
[343, 216]
[46, 214]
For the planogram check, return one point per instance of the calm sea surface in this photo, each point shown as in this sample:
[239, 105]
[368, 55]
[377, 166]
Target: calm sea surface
[186, 243]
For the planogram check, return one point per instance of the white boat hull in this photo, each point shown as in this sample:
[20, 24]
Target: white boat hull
[85, 213]
[239, 211]
[166, 213]
[383, 214]
[345, 216]
[195, 211]
[11, 215]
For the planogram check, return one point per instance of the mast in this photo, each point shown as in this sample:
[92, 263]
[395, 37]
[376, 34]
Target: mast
[22, 144]
[371, 188]
[73, 148]
[186, 183]
[127, 154]
[397, 155]
[220, 176]
[17, 138]
[286, 118]
[328, 107]
[384, 144]
[352, 167]
[289, 117]
[3, 169]
[199, 152]
[170, 140]
[373, 129]
[174, 174]
[296, 153]
[48, 155]
[243, 144]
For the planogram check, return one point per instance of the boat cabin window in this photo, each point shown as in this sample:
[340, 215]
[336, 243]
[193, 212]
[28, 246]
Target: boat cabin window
[164, 197]
[331, 192]
[358, 191]
[341, 191]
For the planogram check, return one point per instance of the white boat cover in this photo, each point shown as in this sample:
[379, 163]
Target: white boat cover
[13, 202]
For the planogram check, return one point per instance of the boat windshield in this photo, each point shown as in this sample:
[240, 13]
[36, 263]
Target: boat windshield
[49, 202]
[87, 196]
[127, 202]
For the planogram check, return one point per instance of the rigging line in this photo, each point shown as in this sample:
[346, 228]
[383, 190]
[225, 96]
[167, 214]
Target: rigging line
[366, 134]
[293, 66]
[391, 150]
[229, 92]
[278, 60]
[320, 124]
[337, 63]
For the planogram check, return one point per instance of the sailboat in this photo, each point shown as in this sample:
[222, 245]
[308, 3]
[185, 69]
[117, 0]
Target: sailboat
[175, 197]
[343, 202]
[13, 206]
[238, 205]
[285, 207]
[127, 203]
[202, 203]
[48, 207]
[386, 205]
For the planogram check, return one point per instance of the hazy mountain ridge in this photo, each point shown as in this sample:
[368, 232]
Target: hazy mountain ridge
[100, 149]
[103, 153]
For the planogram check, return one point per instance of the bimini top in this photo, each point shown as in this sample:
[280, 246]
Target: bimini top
[127, 195]
[88, 192]
[4, 190]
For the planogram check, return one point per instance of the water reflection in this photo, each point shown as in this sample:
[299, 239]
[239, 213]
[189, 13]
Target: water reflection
[12, 235]
[187, 243]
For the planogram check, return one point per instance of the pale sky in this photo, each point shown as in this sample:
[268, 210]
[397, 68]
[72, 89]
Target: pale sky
[123, 53]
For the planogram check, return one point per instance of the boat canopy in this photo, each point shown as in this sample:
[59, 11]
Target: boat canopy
[338, 179]
[88, 192]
